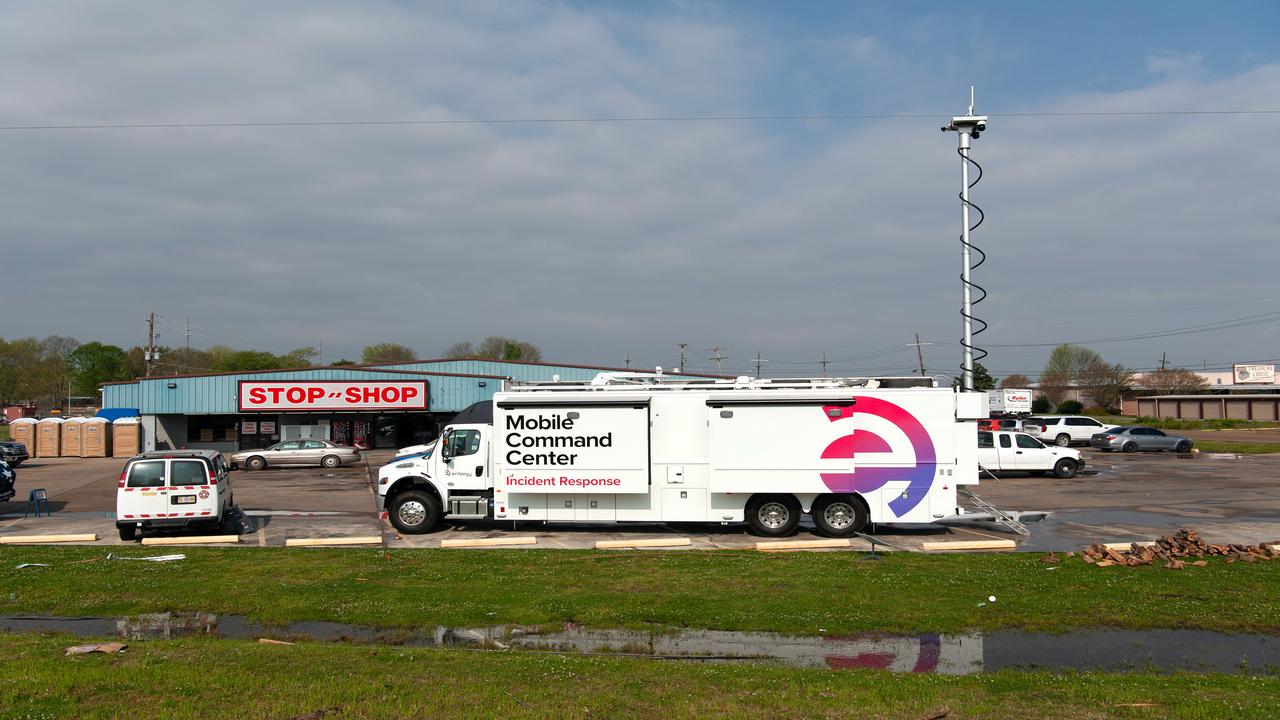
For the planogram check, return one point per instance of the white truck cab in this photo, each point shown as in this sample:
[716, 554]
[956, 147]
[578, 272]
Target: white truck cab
[1002, 451]
[173, 489]
[631, 447]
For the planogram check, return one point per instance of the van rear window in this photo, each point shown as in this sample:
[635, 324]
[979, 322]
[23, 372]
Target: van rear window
[149, 473]
[188, 472]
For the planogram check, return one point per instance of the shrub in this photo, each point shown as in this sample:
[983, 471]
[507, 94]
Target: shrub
[1041, 405]
[1096, 411]
[1070, 407]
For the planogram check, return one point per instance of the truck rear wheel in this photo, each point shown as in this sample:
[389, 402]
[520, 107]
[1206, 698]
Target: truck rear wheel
[128, 533]
[839, 515]
[773, 515]
[414, 511]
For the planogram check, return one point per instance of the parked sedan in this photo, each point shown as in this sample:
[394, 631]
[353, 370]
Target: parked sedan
[1131, 438]
[298, 452]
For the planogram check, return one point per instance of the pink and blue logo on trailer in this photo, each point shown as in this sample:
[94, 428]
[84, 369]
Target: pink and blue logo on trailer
[886, 443]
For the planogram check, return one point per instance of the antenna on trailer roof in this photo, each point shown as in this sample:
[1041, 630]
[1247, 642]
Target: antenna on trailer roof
[969, 127]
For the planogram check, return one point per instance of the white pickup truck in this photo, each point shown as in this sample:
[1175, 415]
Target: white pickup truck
[1001, 451]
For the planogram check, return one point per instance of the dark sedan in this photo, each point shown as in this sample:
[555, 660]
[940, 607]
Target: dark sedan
[13, 453]
[1131, 438]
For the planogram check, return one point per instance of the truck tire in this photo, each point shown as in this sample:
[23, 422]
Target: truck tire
[1063, 440]
[1065, 468]
[255, 463]
[773, 515]
[839, 516]
[128, 533]
[331, 461]
[414, 511]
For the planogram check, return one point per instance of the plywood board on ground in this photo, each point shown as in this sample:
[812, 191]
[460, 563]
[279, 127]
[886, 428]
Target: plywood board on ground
[195, 540]
[38, 539]
[970, 545]
[650, 543]
[489, 542]
[332, 542]
[785, 545]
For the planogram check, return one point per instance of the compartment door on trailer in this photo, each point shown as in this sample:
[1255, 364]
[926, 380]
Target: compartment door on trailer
[778, 445]
[571, 447]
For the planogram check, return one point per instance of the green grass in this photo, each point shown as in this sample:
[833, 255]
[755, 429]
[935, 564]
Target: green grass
[209, 678]
[727, 590]
[1176, 424]
[1242, 448]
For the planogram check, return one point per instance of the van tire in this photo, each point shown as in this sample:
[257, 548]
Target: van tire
[414, 511]
[128, 533]
[255, 463]
[1066, 468]
[839, 516]
[330, 461]
[773, 515]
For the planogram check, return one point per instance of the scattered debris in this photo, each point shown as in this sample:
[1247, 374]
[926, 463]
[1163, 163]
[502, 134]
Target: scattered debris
[20, 566]
[109, 648]
[153, 558]
[1185, 543]
[269, 641]
[938, 715]
[1050, 558]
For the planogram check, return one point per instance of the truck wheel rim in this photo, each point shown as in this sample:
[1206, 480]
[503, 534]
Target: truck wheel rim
[774, 515]
[412, 513]
[838, 515]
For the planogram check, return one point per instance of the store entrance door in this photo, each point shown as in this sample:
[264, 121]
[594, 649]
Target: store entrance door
[319, 431]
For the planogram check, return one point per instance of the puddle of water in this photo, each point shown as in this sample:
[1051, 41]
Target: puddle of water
[963, 654]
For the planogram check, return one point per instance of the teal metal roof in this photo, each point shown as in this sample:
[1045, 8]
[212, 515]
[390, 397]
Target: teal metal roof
[462, 383]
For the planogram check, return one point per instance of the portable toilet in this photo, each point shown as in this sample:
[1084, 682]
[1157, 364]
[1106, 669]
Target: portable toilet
[126, 437]
[48, 438]
[95, 438]
[71, 437]
[23, 430]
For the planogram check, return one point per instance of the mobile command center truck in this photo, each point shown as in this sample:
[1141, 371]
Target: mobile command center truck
[634, 448]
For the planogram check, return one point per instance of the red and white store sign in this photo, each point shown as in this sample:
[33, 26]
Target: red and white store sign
[265, 396]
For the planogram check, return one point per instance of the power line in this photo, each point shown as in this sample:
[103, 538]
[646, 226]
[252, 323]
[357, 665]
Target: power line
[1245, 321]
[634, 119]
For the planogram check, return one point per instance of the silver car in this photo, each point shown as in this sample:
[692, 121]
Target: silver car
[1131, 438]
[307, 451]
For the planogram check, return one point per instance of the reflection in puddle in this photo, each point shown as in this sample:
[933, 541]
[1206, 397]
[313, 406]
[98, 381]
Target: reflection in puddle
[961, 654]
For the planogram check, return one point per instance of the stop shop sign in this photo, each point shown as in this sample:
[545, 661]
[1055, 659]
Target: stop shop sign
[294, 396]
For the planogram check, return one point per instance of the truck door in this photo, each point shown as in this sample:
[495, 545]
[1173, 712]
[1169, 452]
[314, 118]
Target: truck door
[1032, 454]
[1009, 456]
[465, 459]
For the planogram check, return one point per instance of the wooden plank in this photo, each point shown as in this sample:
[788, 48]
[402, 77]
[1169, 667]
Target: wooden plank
[784, 545]
[651, 543]
[489, 542]
[332, 542]
[38, 539]
[196, 540]
[970, 545]
[1126, 546]
[1274, 548]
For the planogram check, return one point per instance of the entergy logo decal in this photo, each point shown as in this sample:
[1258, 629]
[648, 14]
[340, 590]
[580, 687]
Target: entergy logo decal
[885, 434]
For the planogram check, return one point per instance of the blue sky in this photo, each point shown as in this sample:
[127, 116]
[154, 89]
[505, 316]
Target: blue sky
[602, 240]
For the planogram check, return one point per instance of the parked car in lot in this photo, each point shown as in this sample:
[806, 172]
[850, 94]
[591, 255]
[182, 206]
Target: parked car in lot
[13, 453]
[1131, 438]
[1001, 451]
[173, 489]
[8, 479]
[307, 451]
[1011, 425]
[1062, 430]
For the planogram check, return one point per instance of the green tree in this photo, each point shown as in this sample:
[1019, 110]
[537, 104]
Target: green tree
[244, 360]
[1065, 369]
[388, 352]
[302, 357]
[982, 379]
[93, 364]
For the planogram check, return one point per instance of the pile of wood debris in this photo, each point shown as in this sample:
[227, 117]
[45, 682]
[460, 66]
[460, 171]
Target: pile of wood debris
[1171, 549]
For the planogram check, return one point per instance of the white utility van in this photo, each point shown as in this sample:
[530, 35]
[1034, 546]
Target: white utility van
[173, 489]
[632, 447]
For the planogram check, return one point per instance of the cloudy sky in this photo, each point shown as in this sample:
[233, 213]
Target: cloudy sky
[595, 240]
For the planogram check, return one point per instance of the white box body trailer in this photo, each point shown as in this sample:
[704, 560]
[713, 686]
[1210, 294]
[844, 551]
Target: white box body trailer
[631, 448]
[1009, 401]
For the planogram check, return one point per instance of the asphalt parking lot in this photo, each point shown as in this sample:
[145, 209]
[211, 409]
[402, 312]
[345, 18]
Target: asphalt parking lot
[1118, 498]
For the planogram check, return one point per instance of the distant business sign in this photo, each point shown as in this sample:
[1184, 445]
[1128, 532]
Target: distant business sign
[1264, 374]
[339, 395]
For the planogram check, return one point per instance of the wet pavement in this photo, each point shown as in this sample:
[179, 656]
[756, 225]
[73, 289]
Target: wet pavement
[1109, 650]
[1119, 498]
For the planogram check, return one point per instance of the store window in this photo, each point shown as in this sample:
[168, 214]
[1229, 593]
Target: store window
[211, 429]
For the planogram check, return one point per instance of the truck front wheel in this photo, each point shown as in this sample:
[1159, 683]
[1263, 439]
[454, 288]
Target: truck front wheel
[839, 515]
[414, 511]
[773, 515]
[1066, 468]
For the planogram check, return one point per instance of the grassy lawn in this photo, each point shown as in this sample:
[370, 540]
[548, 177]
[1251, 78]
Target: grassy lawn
[796, 593]
[1243, 448]
[239, 679]
[1176, 424]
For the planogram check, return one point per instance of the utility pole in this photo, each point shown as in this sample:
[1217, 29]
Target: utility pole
[682, 346]
[759, 364]
[628, 361]
[1163, 359]
[824, 364]
[919, 352]
[151, 341]
[187, 356]
[717, 357]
